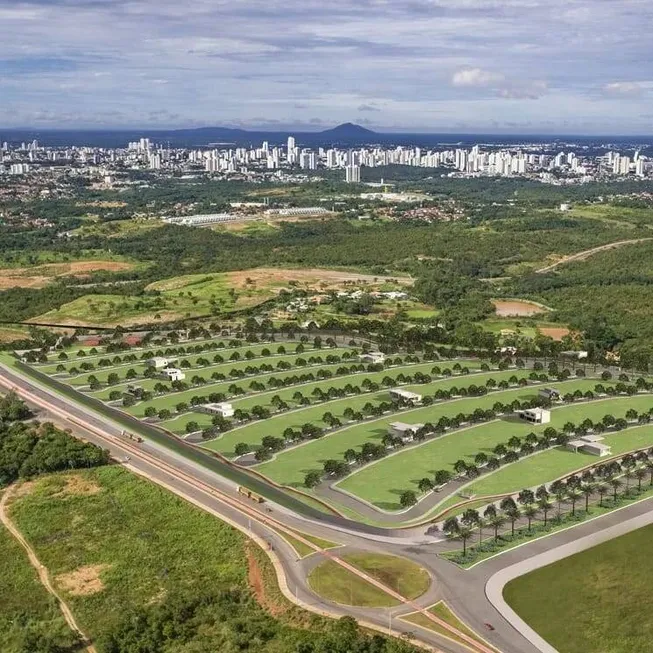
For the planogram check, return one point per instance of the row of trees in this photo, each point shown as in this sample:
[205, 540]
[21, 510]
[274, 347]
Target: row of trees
[612, 480]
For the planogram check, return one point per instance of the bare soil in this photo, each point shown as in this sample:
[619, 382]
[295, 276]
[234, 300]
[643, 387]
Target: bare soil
[516, 308]
[78, 486]
[84, 581]
[306, 276]
[557, 333]
[257, 585]
[40, 276]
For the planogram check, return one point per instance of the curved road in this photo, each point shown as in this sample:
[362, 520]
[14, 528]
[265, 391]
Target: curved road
[464, 591]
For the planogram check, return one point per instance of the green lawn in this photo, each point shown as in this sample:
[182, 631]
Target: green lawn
[290, 467]
[382, 482]
[28, 611]
[335, 583]
[553, 463]
[592, 601]
[186, 296]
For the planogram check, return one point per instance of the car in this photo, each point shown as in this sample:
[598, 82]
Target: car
[489, 626]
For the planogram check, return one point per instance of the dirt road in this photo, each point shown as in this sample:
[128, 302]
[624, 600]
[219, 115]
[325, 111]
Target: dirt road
[42, 572]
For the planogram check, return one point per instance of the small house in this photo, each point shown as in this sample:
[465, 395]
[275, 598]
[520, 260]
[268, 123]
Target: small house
[551, 394]
[404, 431]
[173, 374]
[405, 395]
[535, 415]
[222, 409]
[373, 357]
[158, 362]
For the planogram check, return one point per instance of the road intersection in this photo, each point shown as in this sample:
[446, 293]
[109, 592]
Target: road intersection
[475, 595]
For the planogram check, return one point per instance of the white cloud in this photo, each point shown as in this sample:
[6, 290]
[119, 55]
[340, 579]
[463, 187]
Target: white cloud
[623, 88]
[476, 77]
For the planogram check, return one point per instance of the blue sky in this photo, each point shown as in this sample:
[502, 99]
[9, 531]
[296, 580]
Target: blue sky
[564, 66]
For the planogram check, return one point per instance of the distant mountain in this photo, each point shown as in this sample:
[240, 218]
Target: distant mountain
[348, 131]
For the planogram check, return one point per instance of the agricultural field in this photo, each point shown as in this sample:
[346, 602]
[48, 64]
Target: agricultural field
[575, 587]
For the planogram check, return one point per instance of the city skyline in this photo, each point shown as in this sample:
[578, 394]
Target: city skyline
[488, 66]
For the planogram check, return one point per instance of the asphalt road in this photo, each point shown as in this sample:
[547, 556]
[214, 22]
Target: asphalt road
[464, 591]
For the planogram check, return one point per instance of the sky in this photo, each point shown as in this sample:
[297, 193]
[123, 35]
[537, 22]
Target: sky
[492, 66]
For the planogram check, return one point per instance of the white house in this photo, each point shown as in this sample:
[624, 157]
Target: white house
[173, 374]
[590, 444]
[372, 357]
[405, 395]
[223, 409]
[535, 415]
[405, 431]
[158, 362]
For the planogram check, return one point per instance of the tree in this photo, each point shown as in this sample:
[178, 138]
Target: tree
[443, 476]
[559, 490]
[530, 511]
[602, 489]
[616, 484]
[451, 526]
[545, 506]
[587, 489]
[464, 534]
[312, 479]
[526, 497]
[408, 498]
[241, 449]
[425, 485]
[640, 474]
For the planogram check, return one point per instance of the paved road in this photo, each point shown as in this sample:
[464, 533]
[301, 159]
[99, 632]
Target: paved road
[464, 591]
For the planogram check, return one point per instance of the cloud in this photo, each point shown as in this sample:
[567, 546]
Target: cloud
[623, 88]
[480, 63]
[476, 77]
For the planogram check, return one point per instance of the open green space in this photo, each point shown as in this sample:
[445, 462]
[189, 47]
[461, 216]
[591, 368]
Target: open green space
[144, 570]
[335, 583]
[29, 615]
[596, 600]
[290, 467]
[382, 482]
[560, 461]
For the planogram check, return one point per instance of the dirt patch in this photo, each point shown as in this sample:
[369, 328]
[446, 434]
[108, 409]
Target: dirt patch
[307, 277]
[77, 485]
[9, 335]
[84, 581]
[23, 489]
[557, 333]
[255, 578]
[517, 308]
[40, 276]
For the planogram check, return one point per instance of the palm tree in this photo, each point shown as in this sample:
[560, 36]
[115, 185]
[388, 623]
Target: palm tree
[602, 489]
[530, 512]
[616, 484]
[573, 495]
[640, 473]
[451, 526]
[513, 515]
[545, 506]
[649, 467]
[464, 534]
[587, 489]
[559, 490]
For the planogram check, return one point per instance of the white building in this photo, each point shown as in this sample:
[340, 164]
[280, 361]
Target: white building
[535, 415]
[404, 431]
[372, 357]
[158, 362]
[173, 374]
[590, 444]
[353, 174]
[405, 395]
[223, 409]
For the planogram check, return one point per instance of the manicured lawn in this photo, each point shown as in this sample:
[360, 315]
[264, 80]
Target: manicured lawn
[335, 583]
[597, 600]
[290, 467]
[383, 482]
[557, 462]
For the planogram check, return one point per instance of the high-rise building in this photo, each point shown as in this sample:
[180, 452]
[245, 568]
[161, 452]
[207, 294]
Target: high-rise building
[353, 174]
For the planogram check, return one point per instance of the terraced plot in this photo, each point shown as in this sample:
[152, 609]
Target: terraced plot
[382, 482]
[290, 466]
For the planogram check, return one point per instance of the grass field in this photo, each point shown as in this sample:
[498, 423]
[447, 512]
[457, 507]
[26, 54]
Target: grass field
[203, 294]
[335, 583]
[594, 600]
[290, 467]
[143, 570]
[28, 612]
[382, 482]
[557, 462]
